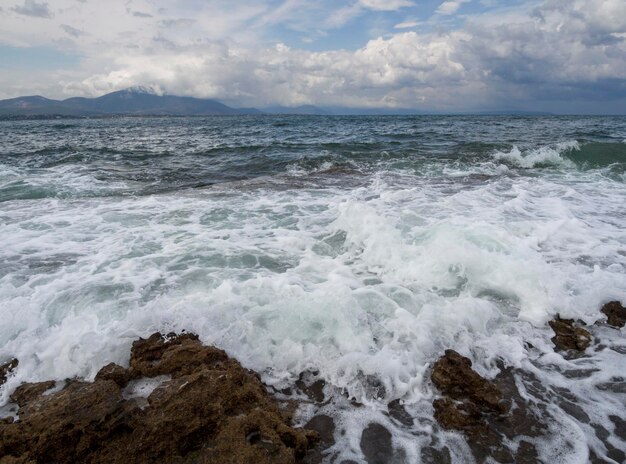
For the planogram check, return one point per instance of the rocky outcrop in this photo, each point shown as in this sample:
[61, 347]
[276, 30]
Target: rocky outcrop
[197, 406]
[468, 397]
[615, 313]
[568, 336]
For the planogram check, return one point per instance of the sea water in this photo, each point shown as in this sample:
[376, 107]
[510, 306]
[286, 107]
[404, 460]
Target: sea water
[357, 248]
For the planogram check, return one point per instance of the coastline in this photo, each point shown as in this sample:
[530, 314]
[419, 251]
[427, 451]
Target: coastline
[181, 401]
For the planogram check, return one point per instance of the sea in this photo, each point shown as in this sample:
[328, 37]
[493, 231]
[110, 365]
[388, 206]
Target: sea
[353, 250]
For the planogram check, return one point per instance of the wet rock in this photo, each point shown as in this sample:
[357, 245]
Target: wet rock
[211, 410]
[311, 386]
[490, 433]
[376, 444]
[459, 415]
[526, 453]
[454, 376]
[27, 391]
[615, 313]
[568, 336]
[397, 411]
[114, 372]
[432, 455]
[6, 369]
[619, 425]
[325, 427]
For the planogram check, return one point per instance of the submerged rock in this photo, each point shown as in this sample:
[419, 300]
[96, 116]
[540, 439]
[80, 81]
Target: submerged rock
[568, 336]
[203, 407]
[615, 312]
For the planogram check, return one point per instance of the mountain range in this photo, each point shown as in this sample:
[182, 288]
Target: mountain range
[134, 101]
[142, 101]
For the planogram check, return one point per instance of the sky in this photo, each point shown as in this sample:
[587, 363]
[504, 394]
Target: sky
[563, 56]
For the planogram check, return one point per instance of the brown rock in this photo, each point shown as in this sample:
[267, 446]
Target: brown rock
[568, 336]
[114, 372]
[454, 376]
[476, 406]
[27, 391]
[211, 410]
[6, 369]
[468, 397]
[458, 415]
[615, 313]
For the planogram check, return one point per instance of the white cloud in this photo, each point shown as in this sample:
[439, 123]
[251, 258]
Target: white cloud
[385, 5]
[450, 7]
[407, 24]
[555, 50]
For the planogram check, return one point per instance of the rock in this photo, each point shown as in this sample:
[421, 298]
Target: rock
[6, 369]
[468, 397]
[325, 426]
[454, 376]
[114, 372]
[399, 413]
[568, 336]
[210, 410]
[27, 391]
[615, 313]
[464, 416]
[376, 445]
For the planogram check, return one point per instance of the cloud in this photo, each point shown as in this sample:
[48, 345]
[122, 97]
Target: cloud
[140, 14]
[181, 22]
[385, 5]
[407, 24]
[553, 51]
[450, 7]
[72, 30]
[34, 9]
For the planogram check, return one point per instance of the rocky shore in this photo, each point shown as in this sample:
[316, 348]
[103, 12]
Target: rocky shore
[182, 402]
[177, 402]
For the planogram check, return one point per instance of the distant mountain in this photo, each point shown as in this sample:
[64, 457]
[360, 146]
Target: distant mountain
[134, 101]
[303, 109]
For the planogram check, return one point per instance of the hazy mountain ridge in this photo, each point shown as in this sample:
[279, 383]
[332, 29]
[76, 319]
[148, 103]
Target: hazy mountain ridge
[138, 102]
[143, 101]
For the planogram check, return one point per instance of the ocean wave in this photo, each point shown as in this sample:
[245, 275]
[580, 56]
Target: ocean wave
[546, 156]
[570, 154]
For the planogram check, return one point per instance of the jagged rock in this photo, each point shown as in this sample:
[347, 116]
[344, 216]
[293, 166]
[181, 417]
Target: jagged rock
[458, 415]
[114, 372]
[6, 369]
[615, 313]
[468, 396]
[27, 391]
[454, 376]
[568, 336]
[208, 408]
[491, 414]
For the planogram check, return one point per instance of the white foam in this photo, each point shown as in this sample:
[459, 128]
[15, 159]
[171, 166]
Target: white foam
[359, 284]
[539, 157]
[143, 388]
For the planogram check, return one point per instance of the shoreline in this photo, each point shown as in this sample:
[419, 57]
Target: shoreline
[181, 401]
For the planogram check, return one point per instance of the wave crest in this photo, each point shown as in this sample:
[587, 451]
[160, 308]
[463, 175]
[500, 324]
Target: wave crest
[546, 156]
